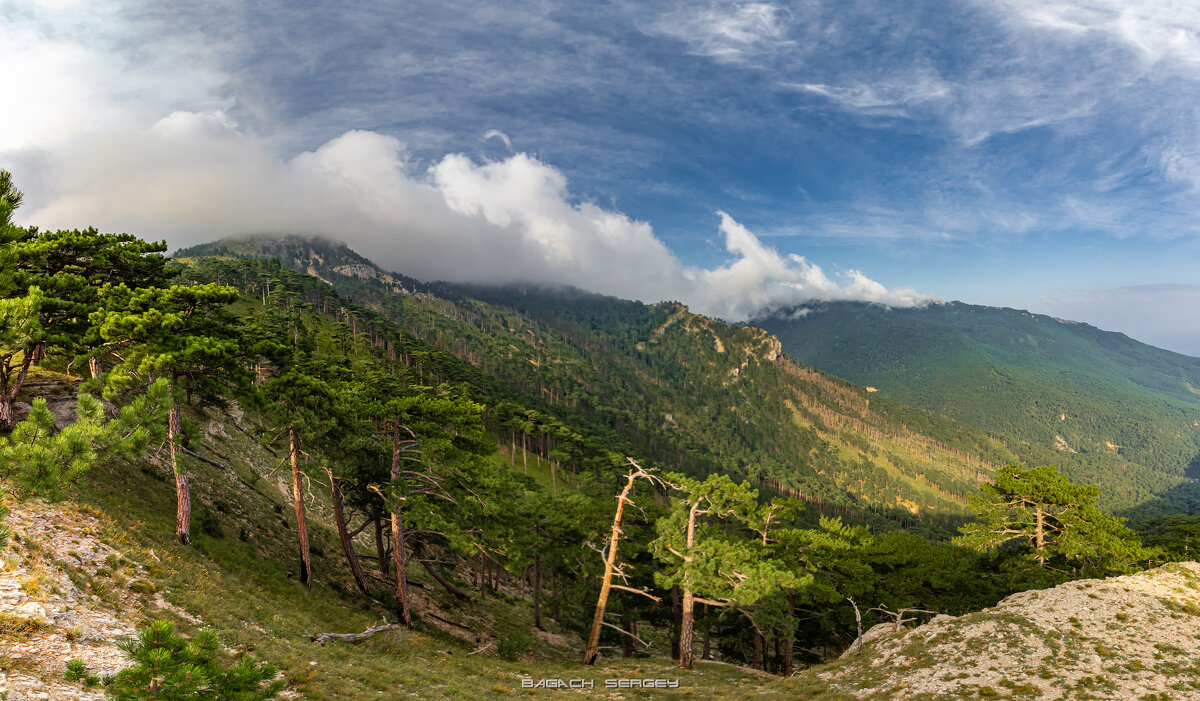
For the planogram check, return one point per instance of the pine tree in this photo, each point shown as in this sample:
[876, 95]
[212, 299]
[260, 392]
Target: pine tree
[40, 460]
[180, 334]
[302, 407]
[53, 280]
[710, 564]
[1054, 519]
[168, 667]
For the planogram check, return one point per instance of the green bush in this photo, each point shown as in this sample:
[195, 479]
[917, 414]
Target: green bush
[168, 667]
[210, 524]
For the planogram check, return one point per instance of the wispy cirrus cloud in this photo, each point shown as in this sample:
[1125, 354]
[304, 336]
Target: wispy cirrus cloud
[728, 32]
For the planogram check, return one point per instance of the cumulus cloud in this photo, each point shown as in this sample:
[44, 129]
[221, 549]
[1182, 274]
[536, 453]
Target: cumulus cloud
[153, 136]
[194, 177]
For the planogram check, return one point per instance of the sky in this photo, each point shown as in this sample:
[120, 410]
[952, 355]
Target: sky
[739, 157]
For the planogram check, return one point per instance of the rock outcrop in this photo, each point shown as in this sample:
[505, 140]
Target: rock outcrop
[1131, 637]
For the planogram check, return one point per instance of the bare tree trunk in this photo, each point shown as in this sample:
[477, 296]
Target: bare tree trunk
[183, 492]
[94, 367]
[448, 586]
[858, 620]
[758, 651]
[685, 629]
[610, 564]
[398, 532]
[483, 575]
[626, 640]
[298, 503]
[1040, 537]
[537, 592]
[347, 545]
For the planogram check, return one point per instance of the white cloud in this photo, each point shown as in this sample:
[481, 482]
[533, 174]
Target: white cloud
[921, 86]
[1155, 29]
[192, 177]
[126, 132]
[729, 32]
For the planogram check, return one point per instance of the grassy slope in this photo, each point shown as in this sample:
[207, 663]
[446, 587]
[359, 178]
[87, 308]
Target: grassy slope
[242, 588]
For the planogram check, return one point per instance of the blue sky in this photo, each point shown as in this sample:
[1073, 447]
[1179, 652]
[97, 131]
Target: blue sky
[737, 156]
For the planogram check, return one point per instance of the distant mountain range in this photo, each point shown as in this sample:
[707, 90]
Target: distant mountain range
[702, 394]
[1089, 394]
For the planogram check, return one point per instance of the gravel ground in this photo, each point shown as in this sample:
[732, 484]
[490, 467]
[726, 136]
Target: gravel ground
[86, 595]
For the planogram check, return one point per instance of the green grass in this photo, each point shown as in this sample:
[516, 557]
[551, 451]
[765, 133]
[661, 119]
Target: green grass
[242, 588]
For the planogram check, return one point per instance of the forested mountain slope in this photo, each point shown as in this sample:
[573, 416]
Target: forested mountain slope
[1103, 402]
[680, 390]
[450, 455]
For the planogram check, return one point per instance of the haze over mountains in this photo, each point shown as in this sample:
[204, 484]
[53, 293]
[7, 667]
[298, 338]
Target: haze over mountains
[1105, 408]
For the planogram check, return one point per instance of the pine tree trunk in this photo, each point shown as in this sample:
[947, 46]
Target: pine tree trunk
[757, 662]
[398, 532]
[676, 621]
[183, 492]
[7, 421]
[347, 546]
[685, 629]
[8, 394]
[380, 551]
[537, 592]
[789, 642]
[298, 502]
[626, 640]
[1039, 538]
[610, 562]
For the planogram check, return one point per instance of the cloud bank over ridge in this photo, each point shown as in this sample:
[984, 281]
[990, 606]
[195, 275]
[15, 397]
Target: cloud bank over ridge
[192, 177]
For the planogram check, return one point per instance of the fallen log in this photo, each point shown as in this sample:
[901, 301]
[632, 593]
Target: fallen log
[322, 638]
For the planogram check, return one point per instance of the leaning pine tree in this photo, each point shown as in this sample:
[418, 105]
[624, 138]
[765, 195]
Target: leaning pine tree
[302, 407]
[181, 334]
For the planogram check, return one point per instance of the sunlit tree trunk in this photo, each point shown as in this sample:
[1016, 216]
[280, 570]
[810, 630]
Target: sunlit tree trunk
[298, 502]
[398, 532]
[183, 492]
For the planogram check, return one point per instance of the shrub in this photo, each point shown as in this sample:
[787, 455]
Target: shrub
[210, 524]
[168, 667]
